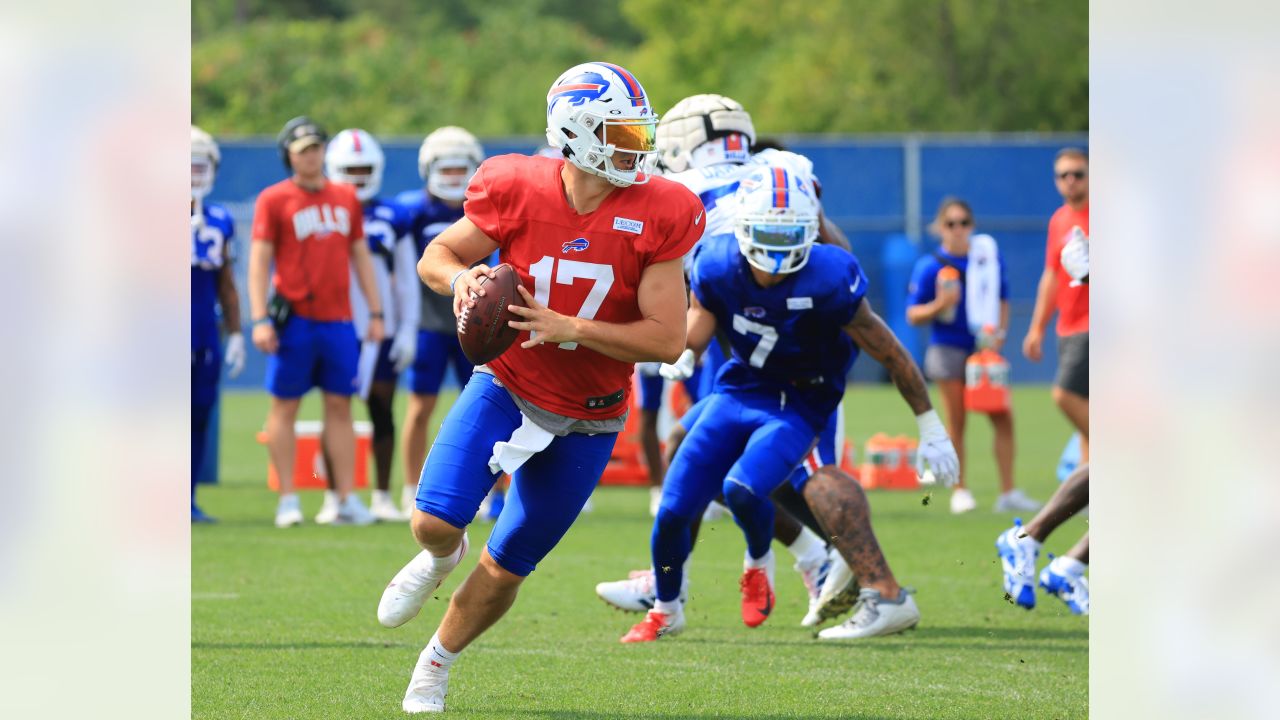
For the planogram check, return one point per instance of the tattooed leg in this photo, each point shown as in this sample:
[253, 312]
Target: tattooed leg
[1071, 498]
[841, 506]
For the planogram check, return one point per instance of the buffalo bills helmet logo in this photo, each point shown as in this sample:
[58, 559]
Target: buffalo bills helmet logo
[754, 312]
[578, 89]
[577, 245]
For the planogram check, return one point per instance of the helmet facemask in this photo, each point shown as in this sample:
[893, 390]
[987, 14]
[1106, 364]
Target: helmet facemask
[600, 114]
[776, 222]
[203, 172]
[448, 177]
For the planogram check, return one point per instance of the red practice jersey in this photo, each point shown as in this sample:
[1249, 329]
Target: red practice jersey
[1072, 302]
[584, 265]
[312, 232]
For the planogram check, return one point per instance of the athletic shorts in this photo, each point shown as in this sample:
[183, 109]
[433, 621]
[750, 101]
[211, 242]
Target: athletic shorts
[736, 439]
[650, 389]
[945, 362]
[313, 353]
[1073, 364]
[437, 351]
[546, 494]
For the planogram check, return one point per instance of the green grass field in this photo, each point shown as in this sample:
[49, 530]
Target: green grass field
[283, 625]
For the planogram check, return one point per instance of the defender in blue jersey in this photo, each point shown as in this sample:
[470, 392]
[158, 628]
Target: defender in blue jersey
[795, 316]
[354, 157]
[212, 285]
[449, 156]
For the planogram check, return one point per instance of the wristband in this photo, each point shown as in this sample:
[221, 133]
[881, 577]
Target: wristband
[375, 315]
[930, 425]
[261, 320]
[454, 279]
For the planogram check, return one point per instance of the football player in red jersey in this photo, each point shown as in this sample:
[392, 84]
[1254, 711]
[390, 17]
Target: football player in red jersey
[600, 241]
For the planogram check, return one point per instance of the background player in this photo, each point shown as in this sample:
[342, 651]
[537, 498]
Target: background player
[793, 313]
[354, 157]
[549, 409]
[213, 285]
[705, 143]
[311, 229]
[447, 159]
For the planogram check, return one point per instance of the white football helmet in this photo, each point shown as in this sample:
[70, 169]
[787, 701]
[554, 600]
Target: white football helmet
[775, 219]
[600, 112]
[355, 148]
[449, 148]
[703, 130]
[204, 162]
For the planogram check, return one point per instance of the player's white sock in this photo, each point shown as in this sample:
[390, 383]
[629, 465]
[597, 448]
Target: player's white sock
[760, 562]
[437, 655]
[808, 549]
[1068, 566]
[446, 563]
[667, 607]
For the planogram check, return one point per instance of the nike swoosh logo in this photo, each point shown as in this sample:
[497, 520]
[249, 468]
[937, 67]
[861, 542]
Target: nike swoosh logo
[698, 219]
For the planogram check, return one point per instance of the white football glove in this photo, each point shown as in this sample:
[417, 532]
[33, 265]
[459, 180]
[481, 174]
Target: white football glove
[234, 355]
[937, 451]
[1075, 256]
[682, 369]
[404, 348]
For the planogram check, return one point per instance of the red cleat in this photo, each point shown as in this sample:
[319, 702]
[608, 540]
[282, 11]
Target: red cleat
[757, 596]
[654, 626]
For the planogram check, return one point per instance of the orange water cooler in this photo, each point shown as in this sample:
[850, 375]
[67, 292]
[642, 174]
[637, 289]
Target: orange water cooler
[986, 382]
[890, 463]
[309, 472]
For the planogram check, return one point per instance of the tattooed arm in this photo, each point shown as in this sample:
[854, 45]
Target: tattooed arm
[874, 337]
[877, 340]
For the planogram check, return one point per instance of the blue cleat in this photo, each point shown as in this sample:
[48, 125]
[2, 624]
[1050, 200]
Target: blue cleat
[1018, 558]
[1069, 588]
[199, 516]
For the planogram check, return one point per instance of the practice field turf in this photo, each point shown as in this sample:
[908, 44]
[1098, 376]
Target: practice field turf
[283, 623]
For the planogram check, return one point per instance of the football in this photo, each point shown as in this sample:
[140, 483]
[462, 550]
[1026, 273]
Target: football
[483, 331]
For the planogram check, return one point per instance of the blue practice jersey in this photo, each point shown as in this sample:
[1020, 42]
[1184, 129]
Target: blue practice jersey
[788, 338]
[212, 236]
[384, 224]
[924, 288]
[430, 217]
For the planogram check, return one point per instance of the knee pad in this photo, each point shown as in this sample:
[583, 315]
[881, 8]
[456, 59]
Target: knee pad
[384, 425]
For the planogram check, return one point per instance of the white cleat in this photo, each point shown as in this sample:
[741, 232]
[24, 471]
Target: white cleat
[289, 511]
[637, 593]
[409, 589]
[353, 512]
[962, 501]
[838, 594]
[1016, 501]
[328, 509]
[427, 687]
[874, 616]
[382, 508]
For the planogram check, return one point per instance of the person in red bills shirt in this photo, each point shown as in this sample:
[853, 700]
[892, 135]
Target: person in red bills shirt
[313, 231]
[1060, 291]
[600, 242]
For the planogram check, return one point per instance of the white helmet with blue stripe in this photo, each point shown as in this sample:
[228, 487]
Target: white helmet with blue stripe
[776, 218]
[354, 148]
[599, 116]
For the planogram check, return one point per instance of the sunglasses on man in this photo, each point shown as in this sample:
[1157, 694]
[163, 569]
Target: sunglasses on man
[1077, 174]
[951, 224]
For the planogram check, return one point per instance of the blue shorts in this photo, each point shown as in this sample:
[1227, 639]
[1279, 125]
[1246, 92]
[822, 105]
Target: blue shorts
[650, 391]
[743, 440]
[436, 351]
[314, 353]
[547, 492]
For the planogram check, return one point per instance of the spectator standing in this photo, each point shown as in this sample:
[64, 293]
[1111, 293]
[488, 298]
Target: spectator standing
[1068, 296]
[311, 228]
[947, 292]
